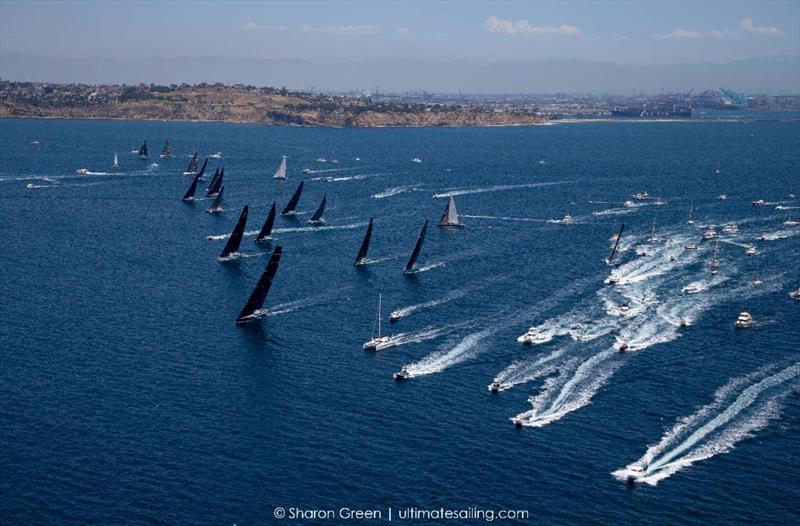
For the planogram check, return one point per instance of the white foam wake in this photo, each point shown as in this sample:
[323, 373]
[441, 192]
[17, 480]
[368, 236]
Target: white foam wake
[496, 188]
[389, 192]
[741, 407]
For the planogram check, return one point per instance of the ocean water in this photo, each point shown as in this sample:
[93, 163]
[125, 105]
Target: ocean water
[130, 396]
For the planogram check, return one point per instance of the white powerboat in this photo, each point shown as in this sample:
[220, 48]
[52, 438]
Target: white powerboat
[494, 387]
[744, 320]
[82, 171]
[731, 228]
[795, 294]
[642, 196]
[624, 310]
[757, 282]
[630, 204]
[306, 170]
[532, 337]
[635, 473]
[322, 160]
[709, 234]
[691, 288]
[690, 246]
[416, 160]
[567, 220]
[216, 155]
[402, 374]
[751, 250]
[759, 202]
[791, 222]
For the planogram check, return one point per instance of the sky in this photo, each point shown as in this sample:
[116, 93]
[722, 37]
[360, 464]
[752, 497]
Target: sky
[633, 33]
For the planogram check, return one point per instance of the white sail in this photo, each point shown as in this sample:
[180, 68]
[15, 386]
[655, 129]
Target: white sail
[116, 161]
[280, 173]
[450, 215]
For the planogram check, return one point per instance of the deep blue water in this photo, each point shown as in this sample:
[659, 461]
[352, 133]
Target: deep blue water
[129, 396]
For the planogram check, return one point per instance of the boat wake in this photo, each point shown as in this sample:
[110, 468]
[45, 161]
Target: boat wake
[322, 228]
[428, 333]
[291, 306]
[780, 234]
[331, 179]
[502, 218]
[447, 356]
[496, 188]
[614, 212]
[741, 407]
[389, 192]
[453, 295]
[430, 266]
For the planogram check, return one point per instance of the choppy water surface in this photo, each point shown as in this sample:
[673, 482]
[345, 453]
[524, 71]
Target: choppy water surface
[130, 396]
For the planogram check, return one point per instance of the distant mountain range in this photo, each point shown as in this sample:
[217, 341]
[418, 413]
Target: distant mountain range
[763, 75]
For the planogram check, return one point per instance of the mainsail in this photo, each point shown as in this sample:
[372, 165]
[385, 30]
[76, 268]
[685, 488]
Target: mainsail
[216, 184]
[189, 195]
[143, 151]
[450, 215]
[266, 230]
[192, 168]
[216, 204]
[167, 151]
[259, 294]
[280, 173]
[317, 217]
[116, 161]
[412, 260]
[361, 258]
[610, 259]
[292, 204]
[236, 236]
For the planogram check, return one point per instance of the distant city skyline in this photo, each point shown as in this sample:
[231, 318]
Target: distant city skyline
[629, 34]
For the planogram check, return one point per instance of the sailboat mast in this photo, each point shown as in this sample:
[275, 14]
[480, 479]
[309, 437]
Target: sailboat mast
[380, 297]
[616, 244]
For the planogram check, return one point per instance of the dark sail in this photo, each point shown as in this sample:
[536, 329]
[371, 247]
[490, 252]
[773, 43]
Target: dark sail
[213, 180]
[616, 244]
[216, 184]
[192, 168]
[293, 201]
[167, 151]
[317, 217]
[266, 230]
[143, 151]
[412, 260]
[259, 294]
[217, 202]
[236, 236]
[202, 169]
[362, 252]
[189, 195]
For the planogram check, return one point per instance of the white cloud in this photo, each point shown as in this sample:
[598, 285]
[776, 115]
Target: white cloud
[403, 30]
[622, 37]
[523, 27]
[679, 34]
[253, 25]
[747, 26]
[342, 30]
[724, 33]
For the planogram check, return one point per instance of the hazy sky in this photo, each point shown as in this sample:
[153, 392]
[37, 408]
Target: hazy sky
[624, 32]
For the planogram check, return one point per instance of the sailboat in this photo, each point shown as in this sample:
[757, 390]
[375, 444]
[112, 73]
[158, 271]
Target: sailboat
[216, 184]
[191, 169]
[216, 204]
[266, 231]
[116, 161]
[690, 221]
[361, 257]
[143, 151]
[412, 260]
[610, 260]
[189, 195]
[653, 236]
[376, 342]
[280, 173]
[259, 294]
[317, 217]
[715, 260]
[232, 246]
[450, 215]
[290, 207]
[166, 152]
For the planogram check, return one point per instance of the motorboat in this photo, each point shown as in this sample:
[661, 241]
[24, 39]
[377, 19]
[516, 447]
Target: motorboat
[672, 258]
[532, 337]
[624, 310]
[635, 473]
[322, 160]
[494, 387]
[795, 294]
[82, 171]
[731, 228]
[642, 196]
[542, 162]
[216, 155]
[416, 160]
[691, 288]
[567, 220]
[757, 282]
[759, 202]
[611, 280]
[744, 320]
[306, 170]
[709, 234]
[683, 323]
[402, 375]
[517, 422]
[690, 246]
[751, 250]
[723, 197]
[623, 347]
[791, 222]
[630, 204]
[763, 237]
